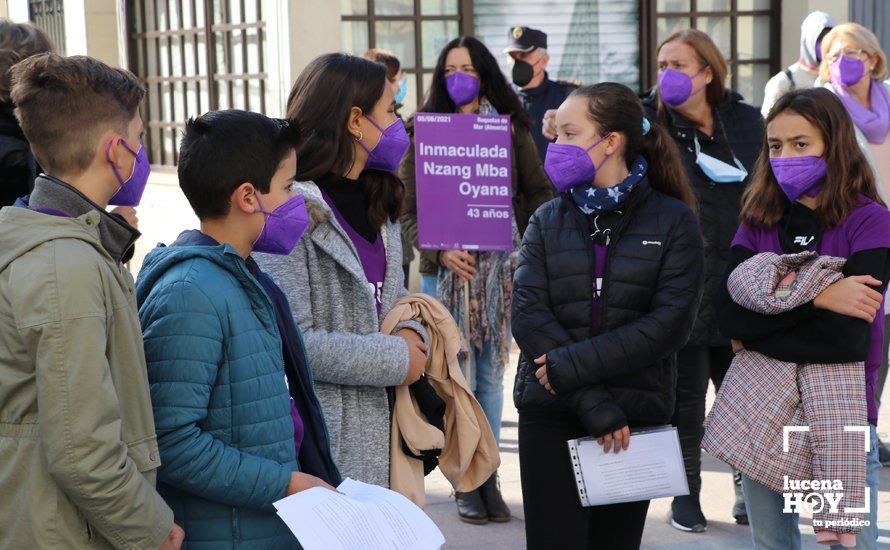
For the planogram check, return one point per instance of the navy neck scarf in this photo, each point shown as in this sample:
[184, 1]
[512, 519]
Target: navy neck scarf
[593, 200]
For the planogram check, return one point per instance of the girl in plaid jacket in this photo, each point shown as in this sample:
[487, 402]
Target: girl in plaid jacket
[813, 190]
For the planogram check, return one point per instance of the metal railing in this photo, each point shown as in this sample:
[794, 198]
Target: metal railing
[194, 56]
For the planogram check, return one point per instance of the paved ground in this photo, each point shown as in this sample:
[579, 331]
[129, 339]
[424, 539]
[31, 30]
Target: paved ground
[717, 499]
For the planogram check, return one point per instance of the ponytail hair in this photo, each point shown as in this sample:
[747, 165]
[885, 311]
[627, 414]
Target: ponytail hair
[615, 108]
[666, 171]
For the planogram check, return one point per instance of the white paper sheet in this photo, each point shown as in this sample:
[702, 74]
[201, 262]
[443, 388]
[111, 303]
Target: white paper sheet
[651, 467]
[364, 517]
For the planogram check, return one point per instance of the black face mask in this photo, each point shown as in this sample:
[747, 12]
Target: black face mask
[522, 73]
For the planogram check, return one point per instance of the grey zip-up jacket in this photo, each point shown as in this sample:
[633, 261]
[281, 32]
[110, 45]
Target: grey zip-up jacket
[352, 362]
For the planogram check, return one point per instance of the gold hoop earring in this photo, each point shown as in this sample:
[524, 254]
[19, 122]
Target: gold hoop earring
[360, 137]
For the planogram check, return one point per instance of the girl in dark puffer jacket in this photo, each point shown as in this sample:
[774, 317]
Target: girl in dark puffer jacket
[609, 278]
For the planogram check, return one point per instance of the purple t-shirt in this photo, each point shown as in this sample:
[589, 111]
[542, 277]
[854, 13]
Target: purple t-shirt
[298, 426]
[866, 228]
[371, 255]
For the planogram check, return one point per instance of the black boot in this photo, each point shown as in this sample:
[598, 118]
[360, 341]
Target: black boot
[686, 514]
[470, 508]
[494, 501]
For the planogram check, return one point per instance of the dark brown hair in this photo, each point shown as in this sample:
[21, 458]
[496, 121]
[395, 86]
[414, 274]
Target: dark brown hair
[319, 106]
[614, 107]
[65, 104]
[18, 41]
[492, 84]
[849, 175]
[709, 55]
[391, 62]
[221, 150]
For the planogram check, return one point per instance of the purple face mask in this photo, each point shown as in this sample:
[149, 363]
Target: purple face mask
[570, 166]
[133, 187]
[391, 148]
[676, 87]
[799, 176]
[846, 71]
[284, 226]
[462, 88]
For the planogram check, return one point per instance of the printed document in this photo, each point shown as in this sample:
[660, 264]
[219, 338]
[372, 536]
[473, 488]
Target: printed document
[651, 467]
[360, 516]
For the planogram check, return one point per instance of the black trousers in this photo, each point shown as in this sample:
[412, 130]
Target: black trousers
[554, 517]
[406, 269]
[695, 366]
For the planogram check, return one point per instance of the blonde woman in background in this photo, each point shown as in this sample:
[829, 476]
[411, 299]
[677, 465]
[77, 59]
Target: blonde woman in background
[719, 137]
[854, 68]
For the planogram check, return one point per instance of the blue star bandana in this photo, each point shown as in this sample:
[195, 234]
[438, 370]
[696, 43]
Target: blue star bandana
[593, 200]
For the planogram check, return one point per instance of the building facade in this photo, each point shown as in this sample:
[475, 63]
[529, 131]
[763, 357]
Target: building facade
[200, 55]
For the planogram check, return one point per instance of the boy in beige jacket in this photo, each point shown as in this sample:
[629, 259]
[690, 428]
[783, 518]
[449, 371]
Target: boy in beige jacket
[78, 454]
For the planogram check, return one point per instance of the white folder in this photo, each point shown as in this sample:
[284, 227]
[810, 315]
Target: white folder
[651, 467]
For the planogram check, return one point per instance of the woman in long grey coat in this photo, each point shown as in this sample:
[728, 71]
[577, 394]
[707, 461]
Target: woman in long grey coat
[346, 273]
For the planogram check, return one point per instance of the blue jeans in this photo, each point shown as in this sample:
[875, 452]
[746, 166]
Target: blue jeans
[486, 380]
[428, 285]
[772, 529]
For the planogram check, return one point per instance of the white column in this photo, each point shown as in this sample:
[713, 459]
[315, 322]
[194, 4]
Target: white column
[314, 30]
[297, 31]
[75, 28]
[17, 10]
[92, 27]
[793, 14]
[277, 56]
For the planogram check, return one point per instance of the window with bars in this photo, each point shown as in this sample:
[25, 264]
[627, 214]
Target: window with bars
[49, 15]
[414, 30]
[588, 40]
[194, 56]
[746, 31]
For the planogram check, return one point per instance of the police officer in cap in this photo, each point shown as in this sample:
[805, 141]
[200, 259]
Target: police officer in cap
[527, 49]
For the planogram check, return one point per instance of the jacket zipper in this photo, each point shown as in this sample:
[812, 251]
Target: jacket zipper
[615, 236]
[602, 297]
[593, 303]
[584, 222]
[611, 240]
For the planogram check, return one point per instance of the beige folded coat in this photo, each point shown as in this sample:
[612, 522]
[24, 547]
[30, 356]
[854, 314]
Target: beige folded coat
[469, 451]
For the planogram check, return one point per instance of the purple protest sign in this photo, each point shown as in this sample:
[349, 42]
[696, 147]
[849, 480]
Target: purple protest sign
[464, 188]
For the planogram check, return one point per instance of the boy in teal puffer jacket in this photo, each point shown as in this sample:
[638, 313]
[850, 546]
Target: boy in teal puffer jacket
[238, 423]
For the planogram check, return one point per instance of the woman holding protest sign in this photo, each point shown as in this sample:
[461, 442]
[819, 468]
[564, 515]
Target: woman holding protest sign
[609, 278]
[345, 274]
[719, 138]
[814, 190]
[467, 80]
